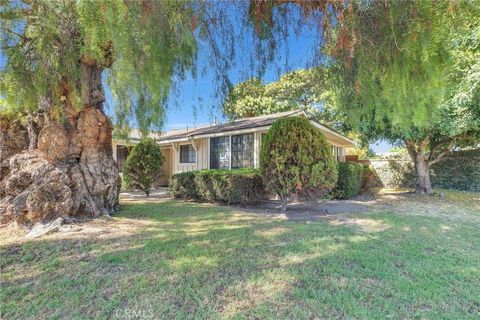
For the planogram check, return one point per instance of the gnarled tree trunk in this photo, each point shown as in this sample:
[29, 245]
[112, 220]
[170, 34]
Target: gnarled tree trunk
[422, 167]
[66, 169]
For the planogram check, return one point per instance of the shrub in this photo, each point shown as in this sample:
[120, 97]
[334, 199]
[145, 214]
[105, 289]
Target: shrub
[229, 186]
[142, 165]
[349, 180]
[295, 158]
[239, 186]
[182, 185]
[204, 184]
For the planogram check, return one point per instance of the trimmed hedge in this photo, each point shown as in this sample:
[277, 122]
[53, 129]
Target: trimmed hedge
[182, 185]
[229, 186]
[349, 182]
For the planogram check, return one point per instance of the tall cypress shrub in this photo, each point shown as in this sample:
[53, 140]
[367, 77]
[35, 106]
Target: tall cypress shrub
[142, 165]
[296, 159]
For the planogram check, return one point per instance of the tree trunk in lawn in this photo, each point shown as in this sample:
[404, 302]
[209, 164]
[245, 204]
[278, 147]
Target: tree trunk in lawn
[422, 168]
[68, 169]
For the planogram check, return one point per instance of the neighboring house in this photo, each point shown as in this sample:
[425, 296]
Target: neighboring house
[229, 145]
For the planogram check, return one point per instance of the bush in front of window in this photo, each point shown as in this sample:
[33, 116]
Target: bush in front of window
[204, 184]
[349, 180]
[228, 186]
[182, 185]
[296, 159]
[142, 165]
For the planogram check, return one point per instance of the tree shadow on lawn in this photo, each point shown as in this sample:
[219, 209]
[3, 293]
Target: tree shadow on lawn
[200, 261]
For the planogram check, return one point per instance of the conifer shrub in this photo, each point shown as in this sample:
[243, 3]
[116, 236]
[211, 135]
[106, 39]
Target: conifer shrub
[143, 165]
[296, 159]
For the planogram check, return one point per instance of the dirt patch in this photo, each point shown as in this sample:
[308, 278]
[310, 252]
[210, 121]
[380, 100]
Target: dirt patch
[88, 229]
[451, 204]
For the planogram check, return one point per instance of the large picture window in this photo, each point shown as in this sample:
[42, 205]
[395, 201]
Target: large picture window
[242, 151]
[187, 154]
[220, 153]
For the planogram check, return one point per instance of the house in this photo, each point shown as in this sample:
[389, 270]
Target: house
[229, 145]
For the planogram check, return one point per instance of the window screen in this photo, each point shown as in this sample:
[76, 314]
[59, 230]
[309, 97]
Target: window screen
[220, 153]
[242, 151]
[187, 154]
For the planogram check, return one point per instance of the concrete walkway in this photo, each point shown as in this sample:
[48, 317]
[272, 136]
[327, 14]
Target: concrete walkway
[139, 196]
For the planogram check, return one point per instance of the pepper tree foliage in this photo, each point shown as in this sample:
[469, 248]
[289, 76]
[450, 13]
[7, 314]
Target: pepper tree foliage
[143, 165]
[295, 158]
[45, 41]
[410, 71]
[404, 71]
[143, 49]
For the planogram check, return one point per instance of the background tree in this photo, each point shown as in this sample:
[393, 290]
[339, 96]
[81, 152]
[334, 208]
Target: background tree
[143, 165]
[300, 89]
[296, 159]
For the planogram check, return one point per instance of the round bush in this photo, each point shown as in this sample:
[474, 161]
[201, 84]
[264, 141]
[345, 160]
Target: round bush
[296, 159]
[142, 165]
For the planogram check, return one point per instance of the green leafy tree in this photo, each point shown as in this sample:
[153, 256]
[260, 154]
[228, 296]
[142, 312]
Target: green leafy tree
[296, 159]
[143, 165]
[412, 76]
[300, 89]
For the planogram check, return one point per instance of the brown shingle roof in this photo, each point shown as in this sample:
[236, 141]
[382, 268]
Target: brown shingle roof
[245, 123]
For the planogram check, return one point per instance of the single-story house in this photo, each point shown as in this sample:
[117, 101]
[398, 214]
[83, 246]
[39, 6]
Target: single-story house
[229, 145]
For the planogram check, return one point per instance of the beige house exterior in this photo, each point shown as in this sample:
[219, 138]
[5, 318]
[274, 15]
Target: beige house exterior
[221, 146]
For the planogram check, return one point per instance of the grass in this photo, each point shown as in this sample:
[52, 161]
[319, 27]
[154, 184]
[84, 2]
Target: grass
[177, 260]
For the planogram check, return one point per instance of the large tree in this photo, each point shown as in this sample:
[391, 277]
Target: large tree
[57, 53]
[409, 73]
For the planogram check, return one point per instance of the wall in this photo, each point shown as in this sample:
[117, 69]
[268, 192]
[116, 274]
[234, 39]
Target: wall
[201, 146]
[459, 170]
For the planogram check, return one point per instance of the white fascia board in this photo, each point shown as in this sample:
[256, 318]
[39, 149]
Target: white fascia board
[232, 132]
[173, 140]
[348, 142]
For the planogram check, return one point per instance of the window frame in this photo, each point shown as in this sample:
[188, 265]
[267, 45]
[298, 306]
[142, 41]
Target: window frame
[252, 160]
[190, 150]
[230, 136]
[229, 152]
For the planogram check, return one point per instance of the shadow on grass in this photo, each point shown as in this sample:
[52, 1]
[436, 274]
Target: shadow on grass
[200, 261]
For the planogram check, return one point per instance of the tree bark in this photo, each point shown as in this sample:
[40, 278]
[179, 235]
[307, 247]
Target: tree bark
[422, 168]
[67, 169]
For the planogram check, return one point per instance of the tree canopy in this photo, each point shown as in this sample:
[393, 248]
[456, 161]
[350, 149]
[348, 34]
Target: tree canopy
[300, 89]
[405, 68]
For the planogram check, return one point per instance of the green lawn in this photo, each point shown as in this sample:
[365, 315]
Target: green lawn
[186, 260]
